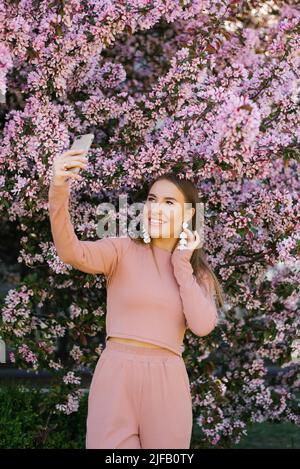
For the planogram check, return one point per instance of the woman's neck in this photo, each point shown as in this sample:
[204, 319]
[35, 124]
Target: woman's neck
[167, 244]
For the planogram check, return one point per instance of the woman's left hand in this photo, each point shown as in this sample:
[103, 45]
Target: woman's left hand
[193, 240]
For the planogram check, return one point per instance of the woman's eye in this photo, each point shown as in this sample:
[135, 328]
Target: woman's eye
[168, 201]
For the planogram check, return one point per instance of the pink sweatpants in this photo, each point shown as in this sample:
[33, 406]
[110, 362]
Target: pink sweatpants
[139, 398]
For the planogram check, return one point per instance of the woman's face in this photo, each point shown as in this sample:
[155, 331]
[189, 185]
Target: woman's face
[165, 203]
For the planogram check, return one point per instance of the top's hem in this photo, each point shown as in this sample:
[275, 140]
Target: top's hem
[144, 339]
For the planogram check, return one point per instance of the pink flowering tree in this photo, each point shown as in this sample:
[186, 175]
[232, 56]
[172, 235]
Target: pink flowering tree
[5, 65]
[208, 89]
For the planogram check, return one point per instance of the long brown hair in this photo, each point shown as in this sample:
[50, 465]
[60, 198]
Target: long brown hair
[201, 267]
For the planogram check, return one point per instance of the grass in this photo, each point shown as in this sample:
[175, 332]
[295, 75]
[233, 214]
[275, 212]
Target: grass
[271, 435]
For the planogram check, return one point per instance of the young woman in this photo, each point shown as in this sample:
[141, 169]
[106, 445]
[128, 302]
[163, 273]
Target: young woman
[140, 394]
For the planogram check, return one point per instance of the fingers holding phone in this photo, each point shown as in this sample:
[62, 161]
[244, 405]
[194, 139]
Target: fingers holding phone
[71, 161]
[81, 142]
[64, 165]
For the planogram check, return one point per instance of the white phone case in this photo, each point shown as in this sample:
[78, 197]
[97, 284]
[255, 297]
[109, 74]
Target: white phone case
[81, 142]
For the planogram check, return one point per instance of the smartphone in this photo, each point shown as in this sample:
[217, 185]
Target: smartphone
[81, 142]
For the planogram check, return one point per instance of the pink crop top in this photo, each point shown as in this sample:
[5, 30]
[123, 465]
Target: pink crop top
[141, 304]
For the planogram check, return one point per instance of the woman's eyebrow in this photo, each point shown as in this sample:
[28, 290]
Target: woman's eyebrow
[170, 198]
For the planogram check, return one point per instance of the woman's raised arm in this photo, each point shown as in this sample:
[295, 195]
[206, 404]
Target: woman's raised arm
[199, 306]
[95, 257]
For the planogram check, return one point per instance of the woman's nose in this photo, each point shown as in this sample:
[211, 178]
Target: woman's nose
[155, 212]
[154, 206]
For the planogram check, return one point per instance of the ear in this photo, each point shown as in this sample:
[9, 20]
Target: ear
[192, 212]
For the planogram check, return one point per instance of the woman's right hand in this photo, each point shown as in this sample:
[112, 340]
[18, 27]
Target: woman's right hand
[71, 159]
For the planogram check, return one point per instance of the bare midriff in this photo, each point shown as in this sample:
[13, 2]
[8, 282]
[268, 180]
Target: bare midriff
[135, 342]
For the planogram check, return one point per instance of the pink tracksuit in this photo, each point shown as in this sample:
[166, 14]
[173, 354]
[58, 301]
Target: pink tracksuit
[139, 397]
